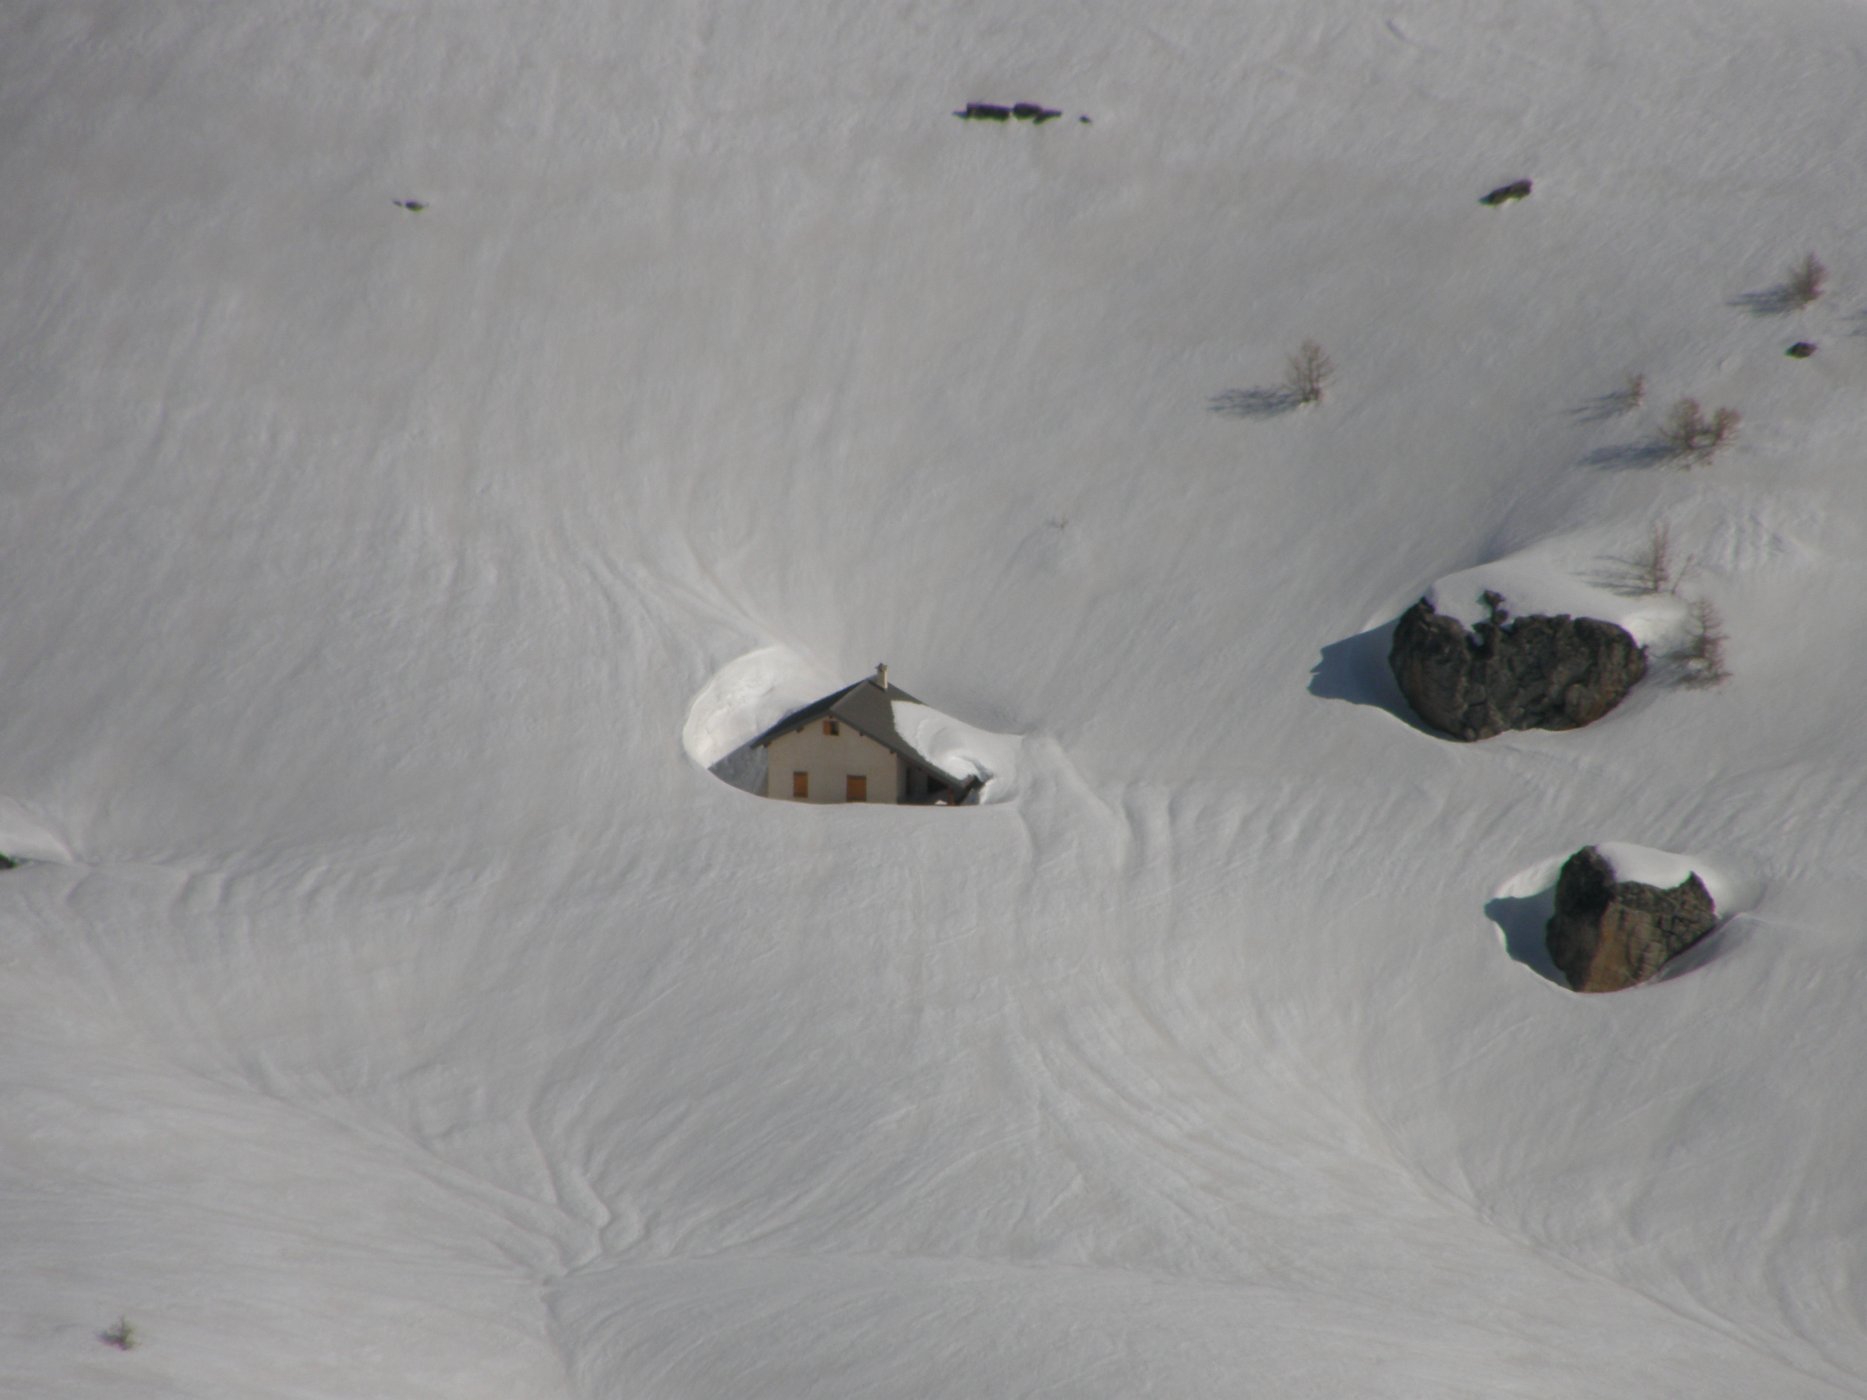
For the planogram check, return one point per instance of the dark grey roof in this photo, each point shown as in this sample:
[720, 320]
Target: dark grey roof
[869, 710]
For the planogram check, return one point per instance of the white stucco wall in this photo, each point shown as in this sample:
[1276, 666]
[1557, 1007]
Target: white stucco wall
[830, 759]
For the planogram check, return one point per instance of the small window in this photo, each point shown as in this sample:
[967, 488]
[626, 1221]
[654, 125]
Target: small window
[856, 789]
[829, 727]
[800, 785]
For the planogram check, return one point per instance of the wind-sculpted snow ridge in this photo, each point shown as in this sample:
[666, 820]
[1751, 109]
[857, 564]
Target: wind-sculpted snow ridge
[393, 1003]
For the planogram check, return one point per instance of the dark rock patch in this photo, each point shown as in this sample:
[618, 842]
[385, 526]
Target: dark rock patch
[1535, 672]
[1606, 934]
[994, 112]
[1506, 194]
[1801, 350]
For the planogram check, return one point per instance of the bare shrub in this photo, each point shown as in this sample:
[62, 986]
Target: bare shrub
[122, 1336]
[1308, 372]
[1654, 570]
[1687, 432]
[1700, 656]
[1806, 282]
[1633, 392]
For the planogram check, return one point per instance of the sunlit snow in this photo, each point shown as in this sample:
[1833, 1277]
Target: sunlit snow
[394, 1005]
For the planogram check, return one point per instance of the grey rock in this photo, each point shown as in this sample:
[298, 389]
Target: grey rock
[1607, 934]
[1536, 672]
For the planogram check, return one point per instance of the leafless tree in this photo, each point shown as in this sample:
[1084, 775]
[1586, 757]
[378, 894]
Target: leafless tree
[1653, 568]
[1700, 656]
[1308, 372]
[1806, 282]
[1687, 432]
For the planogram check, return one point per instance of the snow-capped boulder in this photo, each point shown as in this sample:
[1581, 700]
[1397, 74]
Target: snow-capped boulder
[1611, 930]
[1537, 672]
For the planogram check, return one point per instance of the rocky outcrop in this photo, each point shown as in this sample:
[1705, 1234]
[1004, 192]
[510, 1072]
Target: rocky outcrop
[1607, 933]
[995, 112]
[1534, 672]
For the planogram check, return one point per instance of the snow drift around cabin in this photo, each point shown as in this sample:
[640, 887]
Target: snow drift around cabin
[436, 435]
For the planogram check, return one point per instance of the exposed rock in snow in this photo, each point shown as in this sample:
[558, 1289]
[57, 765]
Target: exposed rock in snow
[1531, 673]
[1506, 194]
[1609, 932]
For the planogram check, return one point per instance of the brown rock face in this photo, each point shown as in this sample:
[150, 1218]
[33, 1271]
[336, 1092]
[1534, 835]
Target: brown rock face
[1531, 673]
[1607, 934]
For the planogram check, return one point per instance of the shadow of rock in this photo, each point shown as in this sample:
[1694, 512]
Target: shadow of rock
[1523, 922]
[1356, 670]
[1252, 403]
[1779, 300]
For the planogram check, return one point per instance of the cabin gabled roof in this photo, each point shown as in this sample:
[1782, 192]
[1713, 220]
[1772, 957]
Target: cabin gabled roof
[868, 707]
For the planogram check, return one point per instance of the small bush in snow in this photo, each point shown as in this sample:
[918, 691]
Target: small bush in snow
[1806, 282]
[1687, 432]
[1654, 570]
[1700, 656]
[122, 1336]
[1633, 392]
[1308, 372]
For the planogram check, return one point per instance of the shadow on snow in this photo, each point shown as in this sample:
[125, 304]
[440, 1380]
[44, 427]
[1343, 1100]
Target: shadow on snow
[1355, 669]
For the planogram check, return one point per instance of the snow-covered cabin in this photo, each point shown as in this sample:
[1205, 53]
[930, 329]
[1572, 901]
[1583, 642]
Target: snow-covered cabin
[845, 748]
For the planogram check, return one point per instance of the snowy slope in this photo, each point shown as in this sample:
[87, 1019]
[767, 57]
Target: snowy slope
[394, 1005]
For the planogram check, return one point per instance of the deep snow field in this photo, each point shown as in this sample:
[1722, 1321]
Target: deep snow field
[393, 1005]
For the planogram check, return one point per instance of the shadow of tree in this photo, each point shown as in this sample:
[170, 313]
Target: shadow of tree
[1606, 406]
[1355, 669]
[1632, 577]
[1618, 576]
[1628, 455]
[1779, 300]
[1252, 403]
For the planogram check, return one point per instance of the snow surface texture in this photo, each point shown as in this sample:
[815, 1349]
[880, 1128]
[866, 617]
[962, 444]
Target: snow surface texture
[395, 1006]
